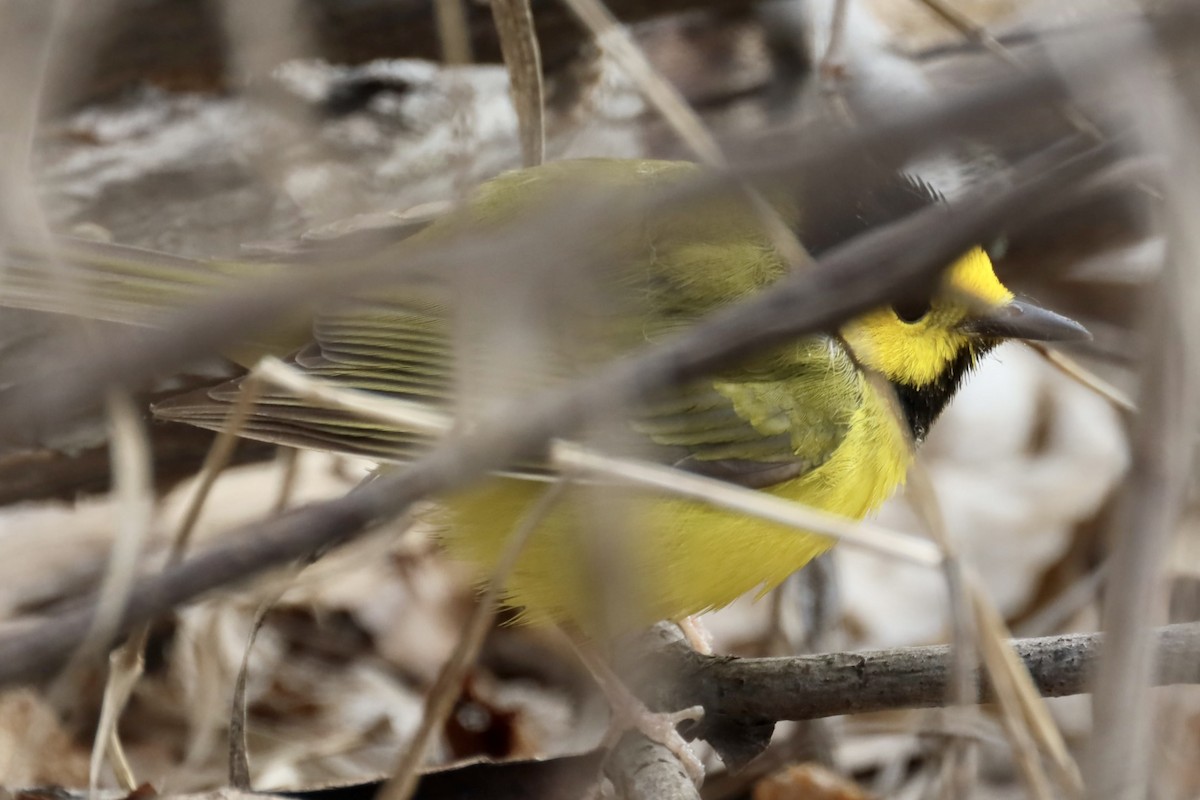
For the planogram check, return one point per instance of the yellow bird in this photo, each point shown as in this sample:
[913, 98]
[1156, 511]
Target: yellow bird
[802, 421]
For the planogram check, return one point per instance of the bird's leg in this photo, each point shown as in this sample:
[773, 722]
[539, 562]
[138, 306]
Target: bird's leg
[630, 712]
[697, 635]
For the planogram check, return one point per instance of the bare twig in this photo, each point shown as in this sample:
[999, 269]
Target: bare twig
[811, 687]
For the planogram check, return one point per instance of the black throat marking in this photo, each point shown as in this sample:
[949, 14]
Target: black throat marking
[923, 405]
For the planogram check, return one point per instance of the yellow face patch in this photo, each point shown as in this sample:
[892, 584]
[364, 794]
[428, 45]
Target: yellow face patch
[974, 275]
[916, 353]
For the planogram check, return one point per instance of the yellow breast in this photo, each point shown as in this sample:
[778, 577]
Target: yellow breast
[681, 557]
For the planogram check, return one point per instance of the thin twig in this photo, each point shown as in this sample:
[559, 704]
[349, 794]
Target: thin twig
[1084, 377]
[873, 538]
[127, 661]
[214, 464]
[239, 749]
[570, 457]
[679, 115]
[134, 491]
[922, 497]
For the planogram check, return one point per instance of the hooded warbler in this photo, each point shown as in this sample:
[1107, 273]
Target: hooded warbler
[802, 421]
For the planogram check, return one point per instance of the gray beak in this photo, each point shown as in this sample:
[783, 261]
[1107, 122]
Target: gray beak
[1021, 320]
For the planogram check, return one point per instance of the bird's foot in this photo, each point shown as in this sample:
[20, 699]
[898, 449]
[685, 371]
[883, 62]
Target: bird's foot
[657, 726]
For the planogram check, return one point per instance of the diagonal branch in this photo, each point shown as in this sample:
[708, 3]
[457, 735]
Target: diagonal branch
[867, 272]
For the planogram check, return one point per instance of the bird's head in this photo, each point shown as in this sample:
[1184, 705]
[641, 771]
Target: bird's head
[924, 350]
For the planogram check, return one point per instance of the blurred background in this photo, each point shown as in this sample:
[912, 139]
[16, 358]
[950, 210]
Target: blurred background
[224, 129]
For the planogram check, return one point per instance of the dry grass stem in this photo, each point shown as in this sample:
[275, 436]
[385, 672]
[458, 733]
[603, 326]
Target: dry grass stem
[522, 57]
[922, 498]
[239, 756]
[288, 459]
[454, 31]
[1084, 377]
[1001, 658]
[614, 40]
[412, 416]
[892, 544]
[571, 457]
[134, 492]
[979, 35]
[125, 666]
[126, 662]
[830, 64]
[214, 463]
[133, 488]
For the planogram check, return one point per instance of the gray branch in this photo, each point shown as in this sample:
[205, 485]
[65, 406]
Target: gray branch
[642, 769]
[809, 687]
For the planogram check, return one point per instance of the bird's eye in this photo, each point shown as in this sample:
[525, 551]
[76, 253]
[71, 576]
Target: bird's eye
[911, 311]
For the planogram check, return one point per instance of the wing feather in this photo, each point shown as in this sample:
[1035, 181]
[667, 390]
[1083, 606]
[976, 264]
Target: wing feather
[781, 415]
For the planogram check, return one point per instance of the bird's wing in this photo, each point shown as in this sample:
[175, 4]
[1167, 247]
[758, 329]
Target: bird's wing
[399, 350]
[776, 419]
[752, 432]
